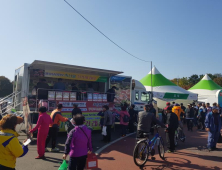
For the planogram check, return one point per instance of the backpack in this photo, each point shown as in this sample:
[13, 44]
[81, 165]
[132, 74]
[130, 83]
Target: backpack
[125, 118]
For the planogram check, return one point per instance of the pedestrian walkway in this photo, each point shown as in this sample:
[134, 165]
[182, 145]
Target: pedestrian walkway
[190, 155]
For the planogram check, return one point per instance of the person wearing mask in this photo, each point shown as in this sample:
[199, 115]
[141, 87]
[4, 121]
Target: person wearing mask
[132, 120]
[78, 144]
[145, 119]
[213, 127]
[111, 93]
[42, 89]
[189, 117]
[209, 109]
[76, 110]
[201, 116]
[10, 148]
[107, 122]
[43, 123]
[124, 119]
[59, 85]
[172, 124]
[56, 117]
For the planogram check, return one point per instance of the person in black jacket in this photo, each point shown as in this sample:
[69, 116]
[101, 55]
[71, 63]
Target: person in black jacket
[111, 93]
[189, 117]
[76, 110]
[132, 113]
[172, 125]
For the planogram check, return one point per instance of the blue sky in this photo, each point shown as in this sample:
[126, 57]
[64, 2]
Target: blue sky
[180, 37]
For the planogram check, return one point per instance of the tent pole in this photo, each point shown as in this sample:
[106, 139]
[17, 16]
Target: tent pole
[151, 80]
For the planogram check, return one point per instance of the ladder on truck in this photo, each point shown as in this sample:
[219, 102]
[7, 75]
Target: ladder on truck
[10, 102]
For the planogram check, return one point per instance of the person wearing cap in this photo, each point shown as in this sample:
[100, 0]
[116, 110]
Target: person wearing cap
[172, 124]
[164, 112]
[42, 126]
[145, 119]
[10, 148]
[213, 126]
[76, 110]
[111, 93]
[56, 117]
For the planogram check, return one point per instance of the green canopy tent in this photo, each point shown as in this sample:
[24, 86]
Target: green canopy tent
[164, 89]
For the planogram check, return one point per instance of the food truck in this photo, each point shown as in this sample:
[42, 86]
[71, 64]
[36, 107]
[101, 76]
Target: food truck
[48, 84]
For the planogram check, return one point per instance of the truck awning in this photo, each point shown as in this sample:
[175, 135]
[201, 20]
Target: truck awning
[45, 65]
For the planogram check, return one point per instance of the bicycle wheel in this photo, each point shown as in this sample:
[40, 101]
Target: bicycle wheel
[182, 136]
[161, 148]
[141, 153]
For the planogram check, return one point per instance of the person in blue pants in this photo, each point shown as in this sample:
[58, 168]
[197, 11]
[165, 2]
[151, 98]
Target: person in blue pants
[213, 126]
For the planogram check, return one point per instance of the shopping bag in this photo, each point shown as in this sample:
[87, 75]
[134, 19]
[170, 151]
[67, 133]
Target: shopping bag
[63, 166]
[104, 131]
[92, 161]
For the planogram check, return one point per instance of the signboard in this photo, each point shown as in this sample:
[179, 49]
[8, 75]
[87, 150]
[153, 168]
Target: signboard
[73, 96]
[104, 97]
[65, 96]
[51, 95]
[74, 76]
[100, 97]
[95, 96]
[58, 95]
[70, 104]
[89, 96]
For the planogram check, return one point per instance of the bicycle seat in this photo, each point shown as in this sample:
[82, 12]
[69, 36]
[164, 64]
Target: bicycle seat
[146, 134]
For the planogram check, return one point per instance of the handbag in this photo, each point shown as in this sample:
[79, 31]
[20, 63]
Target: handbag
[104, 133]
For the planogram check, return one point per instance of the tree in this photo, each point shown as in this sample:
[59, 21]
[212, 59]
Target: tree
[218, 80]
[6, 86]
[194, 79]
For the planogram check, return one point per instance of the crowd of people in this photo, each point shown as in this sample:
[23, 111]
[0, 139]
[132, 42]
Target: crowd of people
[79, 142]
[202, 116]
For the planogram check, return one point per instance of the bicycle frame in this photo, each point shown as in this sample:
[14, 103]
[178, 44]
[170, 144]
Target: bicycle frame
[154, 140]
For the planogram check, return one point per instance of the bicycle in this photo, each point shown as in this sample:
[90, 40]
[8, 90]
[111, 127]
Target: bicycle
[179, 135]
[144, 147]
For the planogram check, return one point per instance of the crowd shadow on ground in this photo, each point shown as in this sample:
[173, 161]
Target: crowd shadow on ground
[193, 148]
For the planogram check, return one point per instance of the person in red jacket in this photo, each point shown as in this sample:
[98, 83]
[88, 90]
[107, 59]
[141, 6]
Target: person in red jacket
[56, 117]
[43, 127]
[124, 119]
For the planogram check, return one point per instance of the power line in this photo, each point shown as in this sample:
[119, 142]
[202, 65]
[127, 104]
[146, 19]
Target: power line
[104, 34]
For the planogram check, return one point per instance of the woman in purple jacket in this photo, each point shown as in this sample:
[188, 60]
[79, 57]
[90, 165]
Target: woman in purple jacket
[78, 144]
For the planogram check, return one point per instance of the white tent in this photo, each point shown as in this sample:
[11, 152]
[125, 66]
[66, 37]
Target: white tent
[207, 90]
[164, 89]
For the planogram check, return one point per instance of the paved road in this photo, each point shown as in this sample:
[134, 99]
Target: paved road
[53, 159]
[190, 155]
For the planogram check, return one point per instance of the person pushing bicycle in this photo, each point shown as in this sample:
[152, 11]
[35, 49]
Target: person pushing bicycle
[145, 119]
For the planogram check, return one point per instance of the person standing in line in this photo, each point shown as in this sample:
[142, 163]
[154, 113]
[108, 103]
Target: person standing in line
[59, 85]
[178, 110]
[124, 119]
[43, 123]
[209, 109]
[78, 144]
[189, 117]
[132, 120]
[164, 112]
[10, 148]
[76, 110]
[56, 117]
[201, 117]
[172, 124]
[107, 123]
[213, 127]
